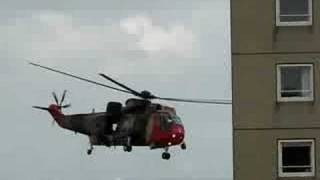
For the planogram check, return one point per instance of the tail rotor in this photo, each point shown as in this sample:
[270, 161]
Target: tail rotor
[60, 104]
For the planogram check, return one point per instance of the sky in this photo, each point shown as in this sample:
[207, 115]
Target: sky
[175, 49]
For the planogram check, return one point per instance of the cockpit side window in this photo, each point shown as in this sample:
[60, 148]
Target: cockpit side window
[163, 119]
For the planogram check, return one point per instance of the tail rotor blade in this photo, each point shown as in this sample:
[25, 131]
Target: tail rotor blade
[66, 106]
[63, 96]
[55, 98]
[42, 108]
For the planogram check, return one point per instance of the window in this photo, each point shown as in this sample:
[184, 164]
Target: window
[294, 12]
[296, 158]
[294, 82]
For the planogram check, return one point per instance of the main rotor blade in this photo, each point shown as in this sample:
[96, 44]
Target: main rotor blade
[80, 78]
[203, 101]
[131, 91]
[55, 98]
[122, 85]
[63, 96]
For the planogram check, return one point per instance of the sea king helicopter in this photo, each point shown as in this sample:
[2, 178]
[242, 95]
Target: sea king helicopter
[138, 122]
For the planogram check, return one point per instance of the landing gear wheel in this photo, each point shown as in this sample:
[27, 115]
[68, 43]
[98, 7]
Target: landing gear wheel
[166, 155]
[127, 148]
[183, 146]
[89, 151]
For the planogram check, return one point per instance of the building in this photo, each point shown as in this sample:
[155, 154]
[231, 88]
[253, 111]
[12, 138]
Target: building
[276, 89]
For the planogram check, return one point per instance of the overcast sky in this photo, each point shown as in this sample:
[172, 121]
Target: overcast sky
[175, 48]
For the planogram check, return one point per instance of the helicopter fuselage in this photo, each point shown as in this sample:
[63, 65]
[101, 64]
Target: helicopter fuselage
[156, 129]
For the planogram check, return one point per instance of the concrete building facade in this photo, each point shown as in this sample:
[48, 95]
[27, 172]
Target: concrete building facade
[276, 89]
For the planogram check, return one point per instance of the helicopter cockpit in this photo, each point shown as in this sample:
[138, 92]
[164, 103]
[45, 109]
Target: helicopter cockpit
[166, 119]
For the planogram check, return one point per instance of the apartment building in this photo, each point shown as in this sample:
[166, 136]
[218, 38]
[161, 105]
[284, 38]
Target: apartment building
[276, 89]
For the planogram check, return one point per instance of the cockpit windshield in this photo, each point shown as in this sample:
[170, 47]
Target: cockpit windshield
[166, 119]
[174, 118]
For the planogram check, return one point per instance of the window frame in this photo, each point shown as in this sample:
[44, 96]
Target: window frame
[295, 99]
[296, 174]
[295, 23]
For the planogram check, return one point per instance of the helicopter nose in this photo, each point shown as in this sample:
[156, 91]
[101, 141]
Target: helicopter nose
[178, 134]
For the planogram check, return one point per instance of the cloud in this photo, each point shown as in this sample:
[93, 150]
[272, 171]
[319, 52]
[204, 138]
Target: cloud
[56, 35]
[53, 38]
[51, 34]
[68, 37]
[153, 38]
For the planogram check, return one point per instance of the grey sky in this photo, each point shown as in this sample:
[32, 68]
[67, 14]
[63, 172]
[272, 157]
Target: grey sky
[174, 49]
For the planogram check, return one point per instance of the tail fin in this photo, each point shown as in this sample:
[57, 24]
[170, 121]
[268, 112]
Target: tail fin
[55, 109]
[55, 112]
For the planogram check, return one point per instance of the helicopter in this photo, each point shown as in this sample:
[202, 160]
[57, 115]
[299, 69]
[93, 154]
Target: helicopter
[137, 122]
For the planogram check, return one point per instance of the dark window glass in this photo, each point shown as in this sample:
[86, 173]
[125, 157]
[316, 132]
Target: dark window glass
[296, 169]
[288, 7]
[296, 157]
[295, 81]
